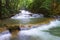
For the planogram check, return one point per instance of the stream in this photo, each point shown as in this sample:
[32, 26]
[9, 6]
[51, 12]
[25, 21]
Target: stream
[36, 33]
[40, 32]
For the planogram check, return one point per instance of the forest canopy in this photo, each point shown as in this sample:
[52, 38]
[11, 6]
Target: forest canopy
[9, 8]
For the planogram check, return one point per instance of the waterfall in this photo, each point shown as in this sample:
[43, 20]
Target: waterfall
[26, 14]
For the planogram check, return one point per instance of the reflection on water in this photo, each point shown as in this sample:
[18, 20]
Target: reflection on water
[36, 33]
[24, 21]
[27, 21]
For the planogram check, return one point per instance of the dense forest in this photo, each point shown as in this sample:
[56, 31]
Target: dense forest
[9, 8]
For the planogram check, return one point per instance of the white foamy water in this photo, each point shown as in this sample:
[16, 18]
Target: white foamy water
[36, 33]
[26, 14]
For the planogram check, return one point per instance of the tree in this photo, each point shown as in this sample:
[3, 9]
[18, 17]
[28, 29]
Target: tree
[56, 7]
[8, 8]
[46, 7]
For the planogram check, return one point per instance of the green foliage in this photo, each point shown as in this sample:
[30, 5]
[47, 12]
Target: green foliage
[41, 6]
[35, 5]
[47, 4]
[45, 7]
[56, 7]
[25, 3]
[8, 8]
[11, 7]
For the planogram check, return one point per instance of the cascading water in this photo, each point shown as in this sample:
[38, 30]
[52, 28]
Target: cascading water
[26, 14]
[36, 33]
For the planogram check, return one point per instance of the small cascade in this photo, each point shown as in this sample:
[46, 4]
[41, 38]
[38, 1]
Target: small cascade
[26, 14]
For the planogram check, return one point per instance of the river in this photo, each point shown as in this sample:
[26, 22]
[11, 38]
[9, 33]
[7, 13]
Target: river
[45, 28]
[38, 33]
